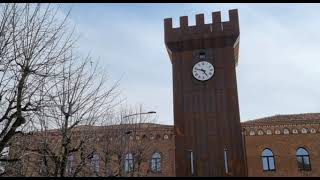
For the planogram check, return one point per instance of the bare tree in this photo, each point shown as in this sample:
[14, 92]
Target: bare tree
[34, 42]
[76, 99]
[50, 100]
[125, 143]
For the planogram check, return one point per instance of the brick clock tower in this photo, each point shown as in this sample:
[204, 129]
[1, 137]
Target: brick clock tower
[208, 139]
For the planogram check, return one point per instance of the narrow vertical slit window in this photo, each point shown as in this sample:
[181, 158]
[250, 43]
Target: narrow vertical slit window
[190, 156]
[226, 160]
[191, 159]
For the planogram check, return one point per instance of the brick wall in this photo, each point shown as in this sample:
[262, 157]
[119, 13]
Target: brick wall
[282, 139]
[284, 148]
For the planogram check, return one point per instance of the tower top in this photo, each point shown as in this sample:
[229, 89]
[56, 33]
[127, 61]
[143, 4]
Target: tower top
[201, 30]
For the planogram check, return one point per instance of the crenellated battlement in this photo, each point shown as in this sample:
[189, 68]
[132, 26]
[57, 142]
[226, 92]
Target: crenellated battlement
[201, 30]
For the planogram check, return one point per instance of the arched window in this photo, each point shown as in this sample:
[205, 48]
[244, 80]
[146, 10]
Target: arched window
[286, 131]
[151, 136]
[268, 162]
[260, 132]
[269, 132]
[252, 133]
[95, 163]
[144, 137]
[303, 159]
[156, 162]
[128, 162]
[304, 130]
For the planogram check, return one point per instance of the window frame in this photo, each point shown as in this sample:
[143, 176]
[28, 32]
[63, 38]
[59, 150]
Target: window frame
[268, 161]
[95, 163]
[304, 167]
[156, 162]
[128, 160]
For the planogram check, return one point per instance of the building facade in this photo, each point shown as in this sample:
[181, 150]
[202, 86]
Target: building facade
[281, 145]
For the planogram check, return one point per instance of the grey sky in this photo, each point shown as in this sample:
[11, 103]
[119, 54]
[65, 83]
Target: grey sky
[278, 71]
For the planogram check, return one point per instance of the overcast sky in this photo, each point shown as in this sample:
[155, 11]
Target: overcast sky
[279, 64]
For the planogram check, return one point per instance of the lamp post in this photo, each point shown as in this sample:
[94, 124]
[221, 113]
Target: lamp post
[150, 112]
[130, 130]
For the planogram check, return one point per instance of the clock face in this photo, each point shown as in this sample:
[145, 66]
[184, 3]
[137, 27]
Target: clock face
[203, 70]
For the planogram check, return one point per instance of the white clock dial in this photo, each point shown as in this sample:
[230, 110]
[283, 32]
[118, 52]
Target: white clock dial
[203, 70]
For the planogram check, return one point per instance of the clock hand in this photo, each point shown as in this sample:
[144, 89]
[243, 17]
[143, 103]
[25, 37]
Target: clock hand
[204, 71]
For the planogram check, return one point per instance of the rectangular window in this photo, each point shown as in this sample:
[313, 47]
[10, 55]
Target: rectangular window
[191, 161]
[202, 55]
[226, 165]
[271, 164]
[128, 164]
[304, 163]
[265, 163]
[95, 163]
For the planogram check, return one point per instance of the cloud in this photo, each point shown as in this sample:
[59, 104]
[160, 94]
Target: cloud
[278, 69]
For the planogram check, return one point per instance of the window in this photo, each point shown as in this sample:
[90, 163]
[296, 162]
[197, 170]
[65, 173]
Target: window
[252, 133]
[277, 131]
[144, 137]
[269, 132]
[303, 159]
[43, 167]
[151, 137]
[95, 163]
[192, 160]
[268, 162]
[312, 130]
[226, 161]
[70, 164]
[260, 132]
[156, 162]
[202, 55]
[165, 136]
[137, 137]
[304, 130]
[286, 131]
[295, 131]
[4, 155]
[128, 163]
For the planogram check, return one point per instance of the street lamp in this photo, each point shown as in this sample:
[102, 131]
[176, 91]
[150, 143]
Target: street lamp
[122, 117]
[150, 112]
[131, 131]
